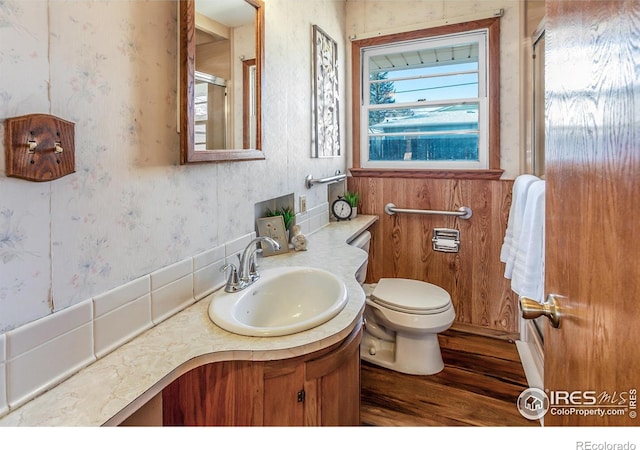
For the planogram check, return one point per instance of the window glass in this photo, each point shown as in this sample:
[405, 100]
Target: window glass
[443, 133]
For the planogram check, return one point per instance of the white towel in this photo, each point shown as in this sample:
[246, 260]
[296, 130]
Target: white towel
[527, 279]
[512, 235]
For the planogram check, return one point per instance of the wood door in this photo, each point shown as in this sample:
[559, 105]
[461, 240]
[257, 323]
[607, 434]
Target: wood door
[593, 190]
[332, 385]
[283, 404]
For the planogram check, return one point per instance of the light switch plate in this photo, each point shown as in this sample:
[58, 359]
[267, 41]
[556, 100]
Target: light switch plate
[303, 203]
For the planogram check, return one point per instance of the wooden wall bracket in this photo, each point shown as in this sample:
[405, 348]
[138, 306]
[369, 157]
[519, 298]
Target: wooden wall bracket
[39, 147]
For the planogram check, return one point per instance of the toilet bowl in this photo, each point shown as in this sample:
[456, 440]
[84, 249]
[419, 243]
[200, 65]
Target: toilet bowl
[402, 318]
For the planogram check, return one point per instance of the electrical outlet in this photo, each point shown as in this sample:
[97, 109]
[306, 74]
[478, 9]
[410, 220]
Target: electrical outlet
[303, 204]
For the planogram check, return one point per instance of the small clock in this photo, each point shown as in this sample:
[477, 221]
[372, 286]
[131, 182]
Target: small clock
[341, 209]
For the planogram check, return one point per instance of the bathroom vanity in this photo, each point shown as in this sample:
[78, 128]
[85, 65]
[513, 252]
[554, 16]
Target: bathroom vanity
[186, 370]
[319, 389]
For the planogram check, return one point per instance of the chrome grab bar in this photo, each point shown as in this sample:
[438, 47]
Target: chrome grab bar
[310, 181]
[463, 212]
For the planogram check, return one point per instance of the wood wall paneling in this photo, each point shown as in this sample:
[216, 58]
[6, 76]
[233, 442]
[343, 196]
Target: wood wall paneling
[401, 245]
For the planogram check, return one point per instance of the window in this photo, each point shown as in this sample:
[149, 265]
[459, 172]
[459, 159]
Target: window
[428, 99]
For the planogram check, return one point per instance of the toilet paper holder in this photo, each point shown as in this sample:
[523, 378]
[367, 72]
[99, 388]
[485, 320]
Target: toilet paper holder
[446, 240]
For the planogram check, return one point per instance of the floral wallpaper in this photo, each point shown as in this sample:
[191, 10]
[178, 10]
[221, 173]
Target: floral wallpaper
[130, 208]
[109, 66]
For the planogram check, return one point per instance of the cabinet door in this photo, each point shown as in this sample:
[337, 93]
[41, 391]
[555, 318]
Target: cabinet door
[223, 393]
[332, 385]
[283, 394]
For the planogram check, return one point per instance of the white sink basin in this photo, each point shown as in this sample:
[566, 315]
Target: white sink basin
[284, 300]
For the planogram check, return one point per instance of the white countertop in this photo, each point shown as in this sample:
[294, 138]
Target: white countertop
[109, 390]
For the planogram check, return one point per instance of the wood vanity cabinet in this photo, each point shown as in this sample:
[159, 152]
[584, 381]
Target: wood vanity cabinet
[318, 389]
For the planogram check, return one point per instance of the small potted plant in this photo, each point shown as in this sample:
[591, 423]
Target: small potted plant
[288, 215]
[352, 198]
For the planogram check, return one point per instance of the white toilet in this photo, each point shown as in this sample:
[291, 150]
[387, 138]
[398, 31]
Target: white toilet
[402, 319]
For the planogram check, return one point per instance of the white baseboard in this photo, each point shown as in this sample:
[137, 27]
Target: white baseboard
[534, 377]
[531, 356]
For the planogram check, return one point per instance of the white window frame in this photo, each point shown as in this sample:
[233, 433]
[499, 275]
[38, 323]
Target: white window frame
[479, 35]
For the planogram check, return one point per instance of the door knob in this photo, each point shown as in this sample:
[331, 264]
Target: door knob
[531, 309]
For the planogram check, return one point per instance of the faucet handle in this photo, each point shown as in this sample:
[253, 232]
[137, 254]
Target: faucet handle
[233, 281]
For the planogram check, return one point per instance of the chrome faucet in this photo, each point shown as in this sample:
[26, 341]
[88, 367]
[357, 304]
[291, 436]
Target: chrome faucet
[246, 274]
[247, 270]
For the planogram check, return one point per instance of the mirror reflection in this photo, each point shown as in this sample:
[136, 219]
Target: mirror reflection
[211, 112]
[220, 79]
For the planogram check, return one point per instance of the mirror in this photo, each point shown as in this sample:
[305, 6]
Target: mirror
[221, 45]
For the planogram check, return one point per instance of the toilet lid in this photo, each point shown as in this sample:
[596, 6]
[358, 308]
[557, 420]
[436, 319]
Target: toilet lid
[411, 296]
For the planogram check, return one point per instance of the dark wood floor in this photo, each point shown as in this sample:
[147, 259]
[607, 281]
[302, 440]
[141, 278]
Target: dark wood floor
[479, 386]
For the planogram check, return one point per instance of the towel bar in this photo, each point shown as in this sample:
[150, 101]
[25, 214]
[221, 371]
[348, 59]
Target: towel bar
[463, 212]
[310, 181]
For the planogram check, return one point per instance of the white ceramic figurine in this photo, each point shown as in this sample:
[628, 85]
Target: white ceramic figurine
[298, 240]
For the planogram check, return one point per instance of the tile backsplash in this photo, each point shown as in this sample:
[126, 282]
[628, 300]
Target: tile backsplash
[171, 290]
[206, 271]
[121, 314]
[40, 354]
[45, 352]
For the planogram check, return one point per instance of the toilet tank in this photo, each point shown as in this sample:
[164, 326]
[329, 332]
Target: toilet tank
[362, 241]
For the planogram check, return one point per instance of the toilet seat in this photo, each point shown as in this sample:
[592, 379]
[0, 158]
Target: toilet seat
[411, 296]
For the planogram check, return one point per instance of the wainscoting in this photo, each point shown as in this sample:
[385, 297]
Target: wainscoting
[401, 244]
[479, 386]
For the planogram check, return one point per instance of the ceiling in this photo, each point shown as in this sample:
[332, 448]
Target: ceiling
[424, 58]
[232, 13]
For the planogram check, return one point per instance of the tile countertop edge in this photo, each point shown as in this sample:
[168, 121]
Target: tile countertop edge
[115, 386]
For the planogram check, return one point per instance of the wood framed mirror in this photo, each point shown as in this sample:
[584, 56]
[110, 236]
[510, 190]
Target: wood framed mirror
[220, 80]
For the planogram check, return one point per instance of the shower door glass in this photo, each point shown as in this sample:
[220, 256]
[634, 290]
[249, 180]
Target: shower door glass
[211, 111]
